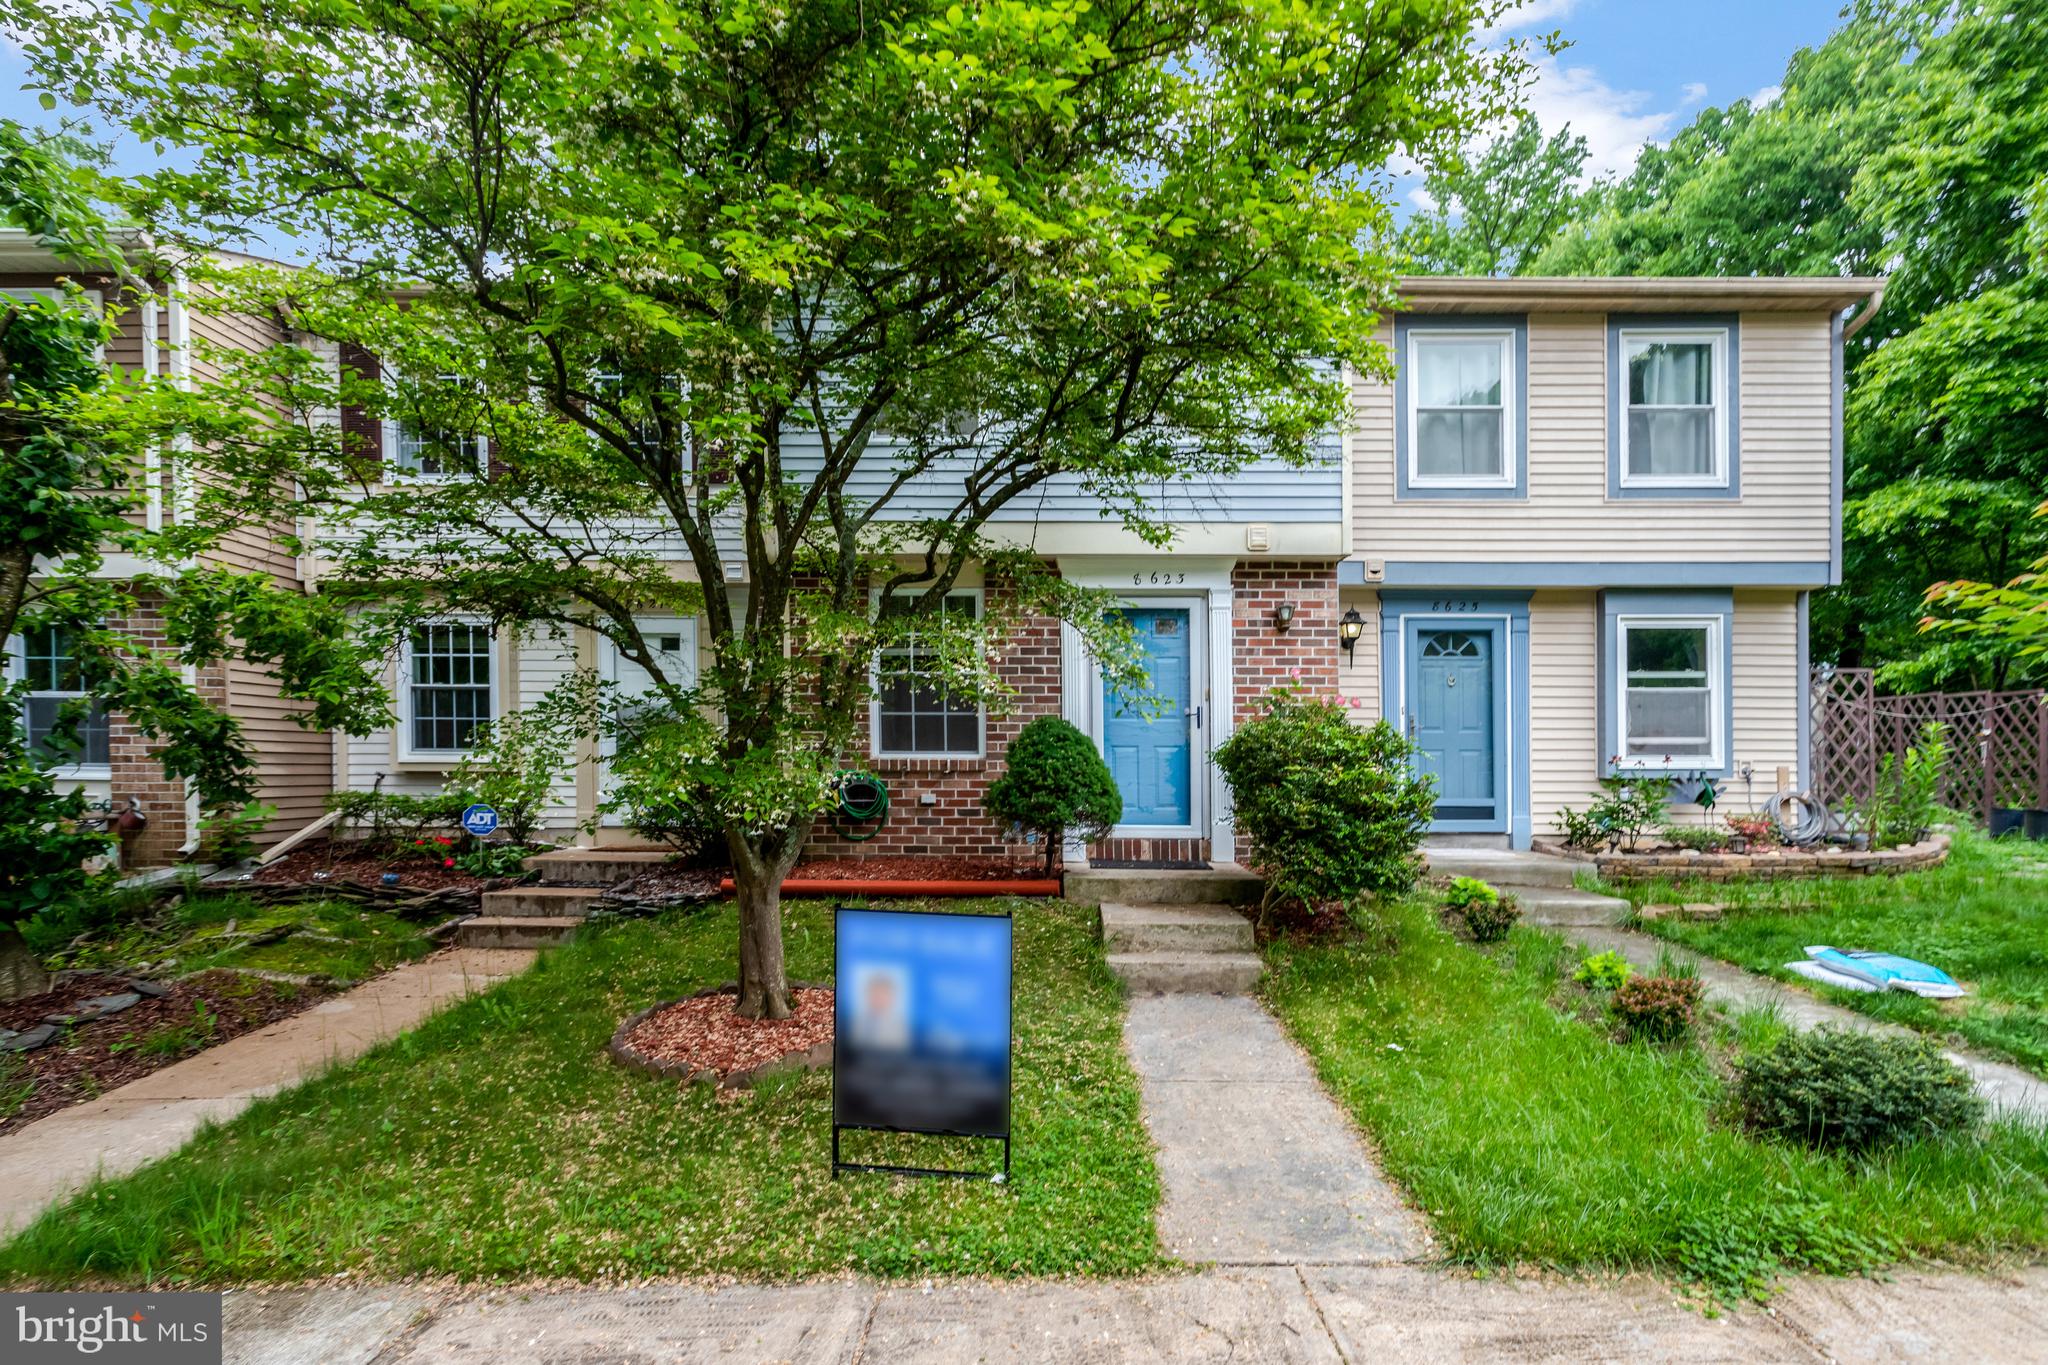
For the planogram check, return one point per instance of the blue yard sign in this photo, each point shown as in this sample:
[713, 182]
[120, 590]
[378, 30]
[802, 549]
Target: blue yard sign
[921, 1037]
[480, 820]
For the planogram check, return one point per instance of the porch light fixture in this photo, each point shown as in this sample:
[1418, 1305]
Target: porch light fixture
[1350, 629]
[1283, 616]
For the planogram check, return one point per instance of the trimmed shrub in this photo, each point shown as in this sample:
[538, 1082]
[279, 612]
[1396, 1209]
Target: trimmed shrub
[1604, 971]
[1054, 784]
[1326, 809]
[1488, 913]
[1844, 1088]
[1657, 1009]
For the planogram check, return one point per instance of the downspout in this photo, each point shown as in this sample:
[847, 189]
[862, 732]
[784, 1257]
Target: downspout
[1869, 311]
[183, 499]
[152, 458]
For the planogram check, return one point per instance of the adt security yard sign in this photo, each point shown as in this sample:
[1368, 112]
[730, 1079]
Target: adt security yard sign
[480, 820]
[921, 1037]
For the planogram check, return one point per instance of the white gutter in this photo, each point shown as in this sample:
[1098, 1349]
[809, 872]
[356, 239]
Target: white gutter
[152, 459]
[183, 496]
[1869, 311]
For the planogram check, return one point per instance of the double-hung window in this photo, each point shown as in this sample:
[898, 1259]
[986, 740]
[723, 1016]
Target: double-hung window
[424, 449]
[56, 682]
[1675, 427]
[915, 715]
[449, 686]
[1461, 408]
[1672, 689]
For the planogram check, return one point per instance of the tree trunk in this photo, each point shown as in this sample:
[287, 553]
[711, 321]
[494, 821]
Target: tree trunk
[20, 973]
[758, 866]
[1052, 850]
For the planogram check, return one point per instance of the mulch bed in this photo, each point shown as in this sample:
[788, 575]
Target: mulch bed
[96, 1057]
[897, 868]
[345, 863]
[701, 1038]
[671, 881]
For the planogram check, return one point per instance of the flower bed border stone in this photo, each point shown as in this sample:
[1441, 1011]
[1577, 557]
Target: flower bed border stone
[813, 1058]
[1778, 864]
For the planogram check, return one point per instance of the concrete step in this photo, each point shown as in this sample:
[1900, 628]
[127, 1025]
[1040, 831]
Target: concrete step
[595, 864]
[1556, 905]
[516, 931]
[1501, 867]
[1223, 884]
[546, 901]
[1175, 929]
[1186, 973]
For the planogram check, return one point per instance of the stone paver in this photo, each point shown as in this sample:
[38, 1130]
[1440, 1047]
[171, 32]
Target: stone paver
[1261, 1167]
[1310, 1314]
[2008, 1089]
[154, 1116]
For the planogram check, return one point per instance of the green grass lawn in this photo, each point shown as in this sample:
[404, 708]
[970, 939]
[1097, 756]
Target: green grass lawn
[496, 1140]
[343, 940]
[1982, 917]
[1527, 1136]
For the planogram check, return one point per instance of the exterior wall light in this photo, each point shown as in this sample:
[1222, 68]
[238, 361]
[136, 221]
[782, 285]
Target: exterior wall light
[1283, 616]
[1349, 629]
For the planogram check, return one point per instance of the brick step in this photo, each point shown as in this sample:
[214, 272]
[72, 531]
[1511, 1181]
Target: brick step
[546, 901]
[1223, 884]
[1500, 867]
[606, 865]
[1175, 929]
[1186, 973]
[1552, 905]
[516, 931]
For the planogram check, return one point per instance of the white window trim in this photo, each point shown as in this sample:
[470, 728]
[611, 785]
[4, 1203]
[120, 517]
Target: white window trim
[1717, 696]
[99, 305]
[17, 671]
[875, 749]
[406, 752]
[1631, 338]
[1510, 404]
[396, 474]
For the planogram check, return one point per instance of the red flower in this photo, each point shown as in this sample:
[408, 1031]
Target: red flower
[447, 862]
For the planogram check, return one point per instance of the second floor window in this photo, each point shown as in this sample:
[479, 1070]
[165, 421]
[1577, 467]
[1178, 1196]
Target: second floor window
[1676, 428]
[1461, 397]
[50, 665]
[914, 714]
[427, 451]
[449, 686]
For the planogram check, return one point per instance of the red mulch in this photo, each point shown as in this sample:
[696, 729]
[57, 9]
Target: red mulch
[74, 1069]
[347, 863]
[706, 1035]
[918, 869]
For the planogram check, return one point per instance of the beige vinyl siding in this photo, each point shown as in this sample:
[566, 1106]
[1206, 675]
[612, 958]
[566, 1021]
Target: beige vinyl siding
[1358, 675]
[1564, 702]
[1784, 458]
[294, 765]
[253, 547]
[1768, 693]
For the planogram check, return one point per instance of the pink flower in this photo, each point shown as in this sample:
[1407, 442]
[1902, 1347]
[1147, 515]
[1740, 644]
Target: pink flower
[1293, 672]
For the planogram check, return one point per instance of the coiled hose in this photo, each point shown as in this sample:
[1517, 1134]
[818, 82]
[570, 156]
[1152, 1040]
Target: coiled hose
[861, 797]
[1800, 818]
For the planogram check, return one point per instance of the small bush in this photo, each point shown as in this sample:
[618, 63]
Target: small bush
[515, 761]
[1468, 891]
[1760, 830]
[1905, 800]
[1055, 784]
[1604, 971]
[1844, 1088]
[1704, 838]
[1580, 829]
[393, 820]
[1632, 806]
[1488, 913]
[655, 787]
[1657, 1009]
[1326, 808]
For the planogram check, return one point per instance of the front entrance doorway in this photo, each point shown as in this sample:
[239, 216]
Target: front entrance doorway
[1150, 743]
[673, 641]
[1457, 718]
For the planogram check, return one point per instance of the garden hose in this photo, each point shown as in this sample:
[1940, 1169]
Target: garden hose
[1800, 818]
[861, 797]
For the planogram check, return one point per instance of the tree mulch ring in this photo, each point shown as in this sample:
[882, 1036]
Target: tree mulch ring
[701, 1038]
[345, 862]
[915, 868]
[81, 1061]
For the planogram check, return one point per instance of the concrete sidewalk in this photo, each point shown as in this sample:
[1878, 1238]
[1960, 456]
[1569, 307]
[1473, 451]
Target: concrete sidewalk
[154, 1116]
[1242, 1314]
[2007, 1088]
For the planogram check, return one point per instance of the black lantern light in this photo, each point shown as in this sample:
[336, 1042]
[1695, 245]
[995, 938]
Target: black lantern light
[1349, 629]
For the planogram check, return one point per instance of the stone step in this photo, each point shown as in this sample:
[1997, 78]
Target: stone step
[516, 931]
[1186, 973]
[1175, 929]
[547, 901]
[605, 865]
[1557, 906]
[1500, 867]
[1223, 884]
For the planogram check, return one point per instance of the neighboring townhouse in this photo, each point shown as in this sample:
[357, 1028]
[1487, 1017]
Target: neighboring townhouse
[118, 766]
[1585, 519]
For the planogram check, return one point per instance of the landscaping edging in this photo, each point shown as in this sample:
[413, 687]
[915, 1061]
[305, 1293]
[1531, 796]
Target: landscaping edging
[813, 1058]
[1778, 864]
[849, 886]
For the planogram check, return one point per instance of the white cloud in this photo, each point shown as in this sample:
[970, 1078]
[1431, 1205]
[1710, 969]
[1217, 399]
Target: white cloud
[1532, 14]
[1768, 95]
[1694, 91]
[1615, 123]
[1422, 199]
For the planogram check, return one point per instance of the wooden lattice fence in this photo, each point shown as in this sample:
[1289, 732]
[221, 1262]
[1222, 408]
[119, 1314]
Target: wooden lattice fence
[1997, 741]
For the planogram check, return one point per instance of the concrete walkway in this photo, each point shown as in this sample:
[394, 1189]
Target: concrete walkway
[154, 1116]
[1260, 1165]
[2008, 1089]
[1245, 1314]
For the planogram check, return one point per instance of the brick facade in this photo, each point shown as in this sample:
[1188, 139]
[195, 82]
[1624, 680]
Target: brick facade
[135, 767]
[1305, 655]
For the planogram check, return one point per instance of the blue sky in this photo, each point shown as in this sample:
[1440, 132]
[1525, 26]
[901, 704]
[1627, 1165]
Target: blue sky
[1636, 72]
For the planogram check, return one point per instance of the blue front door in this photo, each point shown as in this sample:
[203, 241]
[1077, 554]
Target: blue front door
[1150, 749]
[1455, 721]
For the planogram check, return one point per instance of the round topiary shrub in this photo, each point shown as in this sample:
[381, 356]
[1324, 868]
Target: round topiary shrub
[1844, 1088]
[1657, 1009]
[1055, 784]
[1488, 913]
